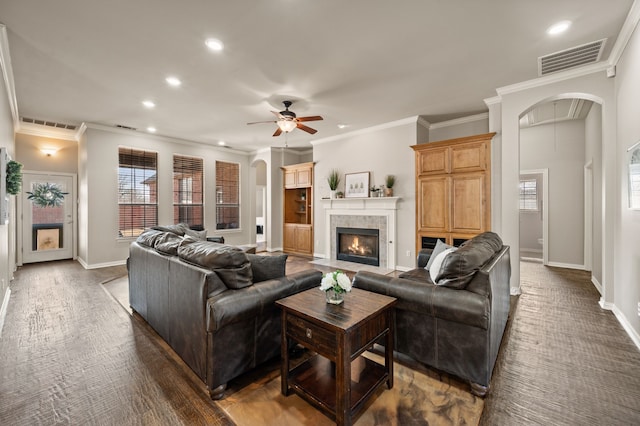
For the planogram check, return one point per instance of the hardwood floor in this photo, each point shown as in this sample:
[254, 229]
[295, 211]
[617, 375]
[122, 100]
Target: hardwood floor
[69, 354]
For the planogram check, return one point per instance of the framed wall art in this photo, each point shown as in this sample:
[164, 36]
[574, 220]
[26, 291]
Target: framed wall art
[356, 185]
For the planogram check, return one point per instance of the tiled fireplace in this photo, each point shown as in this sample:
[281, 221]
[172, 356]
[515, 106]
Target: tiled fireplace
[368, 216]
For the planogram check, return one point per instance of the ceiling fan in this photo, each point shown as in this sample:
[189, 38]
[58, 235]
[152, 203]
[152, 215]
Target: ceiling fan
[287, 121]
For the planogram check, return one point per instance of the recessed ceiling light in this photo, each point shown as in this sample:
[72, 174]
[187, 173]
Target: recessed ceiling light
[214, 44]
[151, 129]
[341, 126]
[222, 143]
[149, 104]
[559, 27]
[173, 81]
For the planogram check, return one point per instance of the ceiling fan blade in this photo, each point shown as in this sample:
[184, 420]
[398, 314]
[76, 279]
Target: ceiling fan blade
[310, 118]
[306, 128]
[277, 114]
[278, 132]
[261, 122]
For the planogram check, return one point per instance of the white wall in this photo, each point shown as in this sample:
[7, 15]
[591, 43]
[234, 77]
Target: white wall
[561, 149]
[627, 246]
[381, 151]
[593, 155]
[458, 128]
[7, 232]
[98, 179]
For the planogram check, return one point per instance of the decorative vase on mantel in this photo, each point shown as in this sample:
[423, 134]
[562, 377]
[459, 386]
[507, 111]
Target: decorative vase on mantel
[334, 297]
[332, 194]
[388, 192]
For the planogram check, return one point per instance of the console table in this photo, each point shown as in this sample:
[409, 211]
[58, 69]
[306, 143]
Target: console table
[338, 335]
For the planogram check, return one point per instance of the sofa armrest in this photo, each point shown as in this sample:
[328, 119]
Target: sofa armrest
[423, 257]
[412, 295]
[236, 305]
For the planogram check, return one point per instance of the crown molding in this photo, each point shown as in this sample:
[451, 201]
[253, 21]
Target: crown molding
[625, 34]
[389, 125]
[423, 122]
[121, 131]
[493, 100]
[7, 75]
[461, 120]
[553, 78]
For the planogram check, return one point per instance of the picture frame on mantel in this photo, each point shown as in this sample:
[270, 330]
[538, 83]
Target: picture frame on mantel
[356, 185]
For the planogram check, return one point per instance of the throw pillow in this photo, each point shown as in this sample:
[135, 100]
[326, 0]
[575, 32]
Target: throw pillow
[434, 270]
[439, 248]
[198, 235]
[267, 267]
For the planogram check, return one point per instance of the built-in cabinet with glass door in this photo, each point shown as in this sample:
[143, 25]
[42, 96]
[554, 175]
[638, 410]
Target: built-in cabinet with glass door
[298, 213]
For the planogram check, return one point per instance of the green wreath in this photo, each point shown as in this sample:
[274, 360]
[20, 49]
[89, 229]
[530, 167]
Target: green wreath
[46, 195]
[14, 177]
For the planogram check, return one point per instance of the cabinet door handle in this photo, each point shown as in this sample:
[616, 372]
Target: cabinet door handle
[309, 334]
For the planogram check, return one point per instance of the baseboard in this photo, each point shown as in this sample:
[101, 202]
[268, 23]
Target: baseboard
[605, 305]
[4, 307]
[404, 268]
[515, 291]
[319, 255]
[566, 265]
[596, 284]
[627, 326]
[85, 265]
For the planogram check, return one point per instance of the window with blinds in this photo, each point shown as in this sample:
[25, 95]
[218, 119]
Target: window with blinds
[528, 195]
[137, 191]
[227, 195]
[188, 191]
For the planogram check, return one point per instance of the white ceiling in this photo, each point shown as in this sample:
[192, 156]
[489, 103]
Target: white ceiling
[358, 62]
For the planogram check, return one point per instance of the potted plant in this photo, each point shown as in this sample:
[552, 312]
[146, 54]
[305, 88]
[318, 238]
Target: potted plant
[333, 180]
[389, 181]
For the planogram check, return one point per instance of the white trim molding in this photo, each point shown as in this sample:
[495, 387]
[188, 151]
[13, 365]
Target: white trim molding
[625, 34]
[3, 308]
[7, 75]
[461, 120]
[635, 337]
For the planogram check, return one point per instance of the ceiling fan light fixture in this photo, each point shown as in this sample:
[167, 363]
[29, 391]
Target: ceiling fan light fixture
[287, 125]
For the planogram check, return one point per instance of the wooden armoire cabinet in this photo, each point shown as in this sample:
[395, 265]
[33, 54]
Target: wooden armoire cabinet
[453, 190]
[297, 232]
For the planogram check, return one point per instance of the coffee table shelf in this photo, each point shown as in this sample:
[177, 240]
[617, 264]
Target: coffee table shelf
[337, 379]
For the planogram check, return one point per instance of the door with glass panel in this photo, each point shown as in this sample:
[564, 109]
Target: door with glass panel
[47, 217]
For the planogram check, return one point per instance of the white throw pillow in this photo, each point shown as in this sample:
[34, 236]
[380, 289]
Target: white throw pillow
[434, 270]
[439, 248]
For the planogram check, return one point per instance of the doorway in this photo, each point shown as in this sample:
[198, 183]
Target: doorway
[533, 215]
[48, 213]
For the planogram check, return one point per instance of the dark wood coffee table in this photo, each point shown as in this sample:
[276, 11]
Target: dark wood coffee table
[337, 379]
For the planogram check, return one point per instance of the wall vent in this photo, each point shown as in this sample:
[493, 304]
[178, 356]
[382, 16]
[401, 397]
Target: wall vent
[49, 123]
[120, 126]
[588, 53]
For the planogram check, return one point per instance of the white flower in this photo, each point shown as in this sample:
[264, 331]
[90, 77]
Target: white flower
[337, 281]
[343, 281]
[327, 282]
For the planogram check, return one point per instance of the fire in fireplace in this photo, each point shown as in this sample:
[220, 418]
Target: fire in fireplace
[358, 245]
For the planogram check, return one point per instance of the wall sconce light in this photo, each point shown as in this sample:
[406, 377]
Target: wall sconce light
[48, 151]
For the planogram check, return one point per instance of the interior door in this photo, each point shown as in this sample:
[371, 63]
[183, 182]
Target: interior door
[47, 219]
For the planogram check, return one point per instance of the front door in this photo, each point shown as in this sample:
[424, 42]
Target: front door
[47, 217]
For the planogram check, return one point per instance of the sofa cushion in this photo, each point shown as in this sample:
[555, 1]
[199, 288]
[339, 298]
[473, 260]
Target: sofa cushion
[267, 267]
[168, 243]
[439, 248]
[178, 229]
[459, 267]
[149, 237]
[228, 262]
[198, 235]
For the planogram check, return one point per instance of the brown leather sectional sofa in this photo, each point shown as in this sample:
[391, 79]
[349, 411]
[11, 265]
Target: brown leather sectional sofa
[457, 325]
[212, 303]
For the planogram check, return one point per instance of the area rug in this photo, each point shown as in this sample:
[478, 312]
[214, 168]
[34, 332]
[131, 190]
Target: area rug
[416, 399]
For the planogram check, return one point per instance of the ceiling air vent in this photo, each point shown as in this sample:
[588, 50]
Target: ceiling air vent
[570, 58]
[49, 123]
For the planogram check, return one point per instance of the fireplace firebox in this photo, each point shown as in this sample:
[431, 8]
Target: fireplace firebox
[358, 245]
